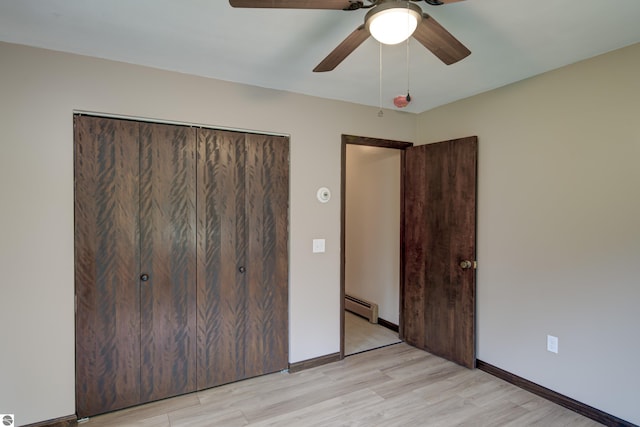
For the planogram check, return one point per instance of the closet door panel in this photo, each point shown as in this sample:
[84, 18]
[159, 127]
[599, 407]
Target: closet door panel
[168, 257]
[106, 265]
[221, 245]
[267, 205]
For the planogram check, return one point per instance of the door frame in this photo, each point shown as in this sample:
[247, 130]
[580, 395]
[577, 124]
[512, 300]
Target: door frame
[371, 142]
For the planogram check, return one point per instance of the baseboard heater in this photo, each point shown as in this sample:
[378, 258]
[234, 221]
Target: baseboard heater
[361, 307]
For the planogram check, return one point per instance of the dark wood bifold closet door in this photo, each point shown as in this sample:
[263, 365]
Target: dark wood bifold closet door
[221, 241]
[106, 265]
[168, 258]
[267, 202]
[242, 256]
[135, 237]
[181, 271]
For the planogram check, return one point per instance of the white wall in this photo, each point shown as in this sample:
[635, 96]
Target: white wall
[39, 91]
[559, 226]
[372, 231]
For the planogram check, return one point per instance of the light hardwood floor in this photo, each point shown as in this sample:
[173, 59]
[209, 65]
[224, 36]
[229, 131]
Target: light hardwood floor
[360, 335]
[396, 385]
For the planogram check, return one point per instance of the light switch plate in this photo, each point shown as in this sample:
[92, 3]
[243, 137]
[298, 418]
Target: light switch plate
[552, 344]
[318, 246]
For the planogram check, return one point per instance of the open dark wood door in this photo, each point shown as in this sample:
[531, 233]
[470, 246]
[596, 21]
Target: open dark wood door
[438, 295]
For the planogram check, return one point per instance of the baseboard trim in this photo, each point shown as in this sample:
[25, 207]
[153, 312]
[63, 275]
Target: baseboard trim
[555, 397]
[388, 325]
[312, 363]
[68, 421]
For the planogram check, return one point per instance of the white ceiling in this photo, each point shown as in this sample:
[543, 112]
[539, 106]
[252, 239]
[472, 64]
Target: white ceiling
[510, 40]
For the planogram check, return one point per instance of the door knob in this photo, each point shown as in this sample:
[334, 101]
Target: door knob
[242, 269]
[466, 264]
[144, 277]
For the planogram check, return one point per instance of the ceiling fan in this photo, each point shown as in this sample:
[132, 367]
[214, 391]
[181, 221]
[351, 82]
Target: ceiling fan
[408, 17]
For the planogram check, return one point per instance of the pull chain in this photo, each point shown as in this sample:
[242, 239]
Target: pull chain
[401, 101]
[380, 113]
[408, 74]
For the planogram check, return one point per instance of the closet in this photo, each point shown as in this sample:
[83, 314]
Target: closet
[181, 271]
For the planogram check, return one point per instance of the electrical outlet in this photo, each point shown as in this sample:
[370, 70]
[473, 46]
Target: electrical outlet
[552, 344]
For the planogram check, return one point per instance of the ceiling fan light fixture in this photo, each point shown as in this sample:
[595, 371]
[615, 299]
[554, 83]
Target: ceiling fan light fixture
[393, 22]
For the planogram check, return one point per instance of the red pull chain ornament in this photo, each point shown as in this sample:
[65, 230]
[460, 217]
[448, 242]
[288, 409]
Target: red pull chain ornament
[402, 101]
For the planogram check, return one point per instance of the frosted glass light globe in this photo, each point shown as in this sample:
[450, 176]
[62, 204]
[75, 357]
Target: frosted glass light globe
[393, 25]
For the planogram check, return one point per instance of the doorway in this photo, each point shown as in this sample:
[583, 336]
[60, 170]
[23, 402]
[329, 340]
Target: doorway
[371, 237]
[438, 184]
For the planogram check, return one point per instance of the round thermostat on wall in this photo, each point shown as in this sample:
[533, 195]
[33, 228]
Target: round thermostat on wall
[323, 195]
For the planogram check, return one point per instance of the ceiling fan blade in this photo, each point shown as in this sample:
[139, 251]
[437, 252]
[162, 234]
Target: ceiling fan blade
[343, 50]
[434, 37]
[440, 2]
[294, 4]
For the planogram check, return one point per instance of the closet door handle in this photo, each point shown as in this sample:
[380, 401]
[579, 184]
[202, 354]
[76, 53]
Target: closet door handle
[242, 269]
[144, 277]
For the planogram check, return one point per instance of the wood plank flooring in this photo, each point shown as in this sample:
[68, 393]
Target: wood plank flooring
[361, 335]
[396, 385]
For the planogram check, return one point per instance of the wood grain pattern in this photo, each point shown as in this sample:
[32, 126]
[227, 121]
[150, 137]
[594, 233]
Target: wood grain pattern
[221, 247]
[344, 49]
[374, 142]
[106, 264]
[168, 256]
[361, 335]
[293, 4]
[394, 386]
[267, 207]
[439, 41]
[439, 297]
[314, 362]
[555, 397]
[413, 320]
[187, 207]
[242, 224]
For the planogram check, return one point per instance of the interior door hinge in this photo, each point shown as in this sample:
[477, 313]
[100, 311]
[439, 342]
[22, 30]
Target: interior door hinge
[475, 265]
